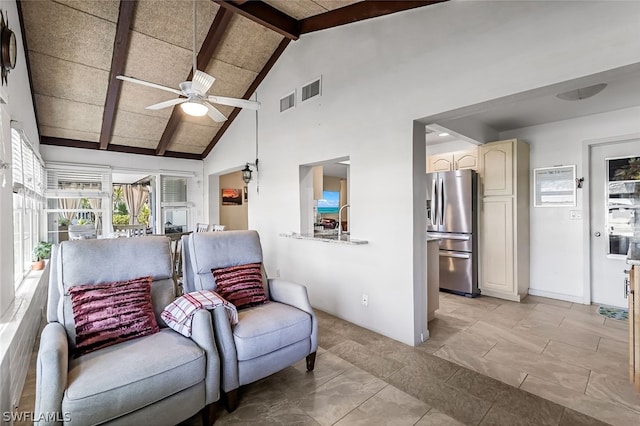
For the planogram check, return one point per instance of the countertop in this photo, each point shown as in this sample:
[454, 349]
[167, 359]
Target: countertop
[327, 238]
[429, 239]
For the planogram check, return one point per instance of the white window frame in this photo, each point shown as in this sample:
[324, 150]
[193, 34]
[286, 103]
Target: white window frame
[28, 202]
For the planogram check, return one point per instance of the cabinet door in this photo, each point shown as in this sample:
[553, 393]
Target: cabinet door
[496, 245]
[496, 168]
[440, 163]
[466, 160]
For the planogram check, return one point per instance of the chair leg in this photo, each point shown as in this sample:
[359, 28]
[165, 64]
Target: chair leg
[311, 361]
[209, 414]
[231, 400]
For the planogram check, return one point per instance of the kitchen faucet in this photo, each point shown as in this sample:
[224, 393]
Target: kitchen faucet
[340, 219]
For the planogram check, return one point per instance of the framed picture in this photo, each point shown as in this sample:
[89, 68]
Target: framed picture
[231, 197]
[554, 186]
[246, 194]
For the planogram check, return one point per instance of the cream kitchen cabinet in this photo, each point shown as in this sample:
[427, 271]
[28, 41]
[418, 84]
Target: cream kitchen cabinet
[458, 160]
[440, 162]
[496, 168]
[504, 219]
[465, 160]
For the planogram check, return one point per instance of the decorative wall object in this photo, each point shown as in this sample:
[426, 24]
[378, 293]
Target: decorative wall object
[231, 197]
[554, 186]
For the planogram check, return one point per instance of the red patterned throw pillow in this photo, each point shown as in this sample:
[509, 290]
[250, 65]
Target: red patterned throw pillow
[110, 313]
[241, 285]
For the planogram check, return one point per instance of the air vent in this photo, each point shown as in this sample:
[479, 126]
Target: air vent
[310, 90]
[288, 102]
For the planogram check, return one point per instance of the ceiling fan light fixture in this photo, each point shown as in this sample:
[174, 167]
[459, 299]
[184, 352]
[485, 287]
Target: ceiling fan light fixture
[582, 93]
[194, 108]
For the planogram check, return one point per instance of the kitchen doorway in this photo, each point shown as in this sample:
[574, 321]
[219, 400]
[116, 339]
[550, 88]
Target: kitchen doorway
[614, 203]
[234, 202]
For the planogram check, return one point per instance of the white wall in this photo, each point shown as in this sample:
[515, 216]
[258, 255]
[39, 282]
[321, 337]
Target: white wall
[123, 161]
[379, 75]
[19, 321]
[557, 264]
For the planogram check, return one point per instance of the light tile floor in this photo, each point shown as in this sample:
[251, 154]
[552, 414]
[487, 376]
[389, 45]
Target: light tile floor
[540, 362]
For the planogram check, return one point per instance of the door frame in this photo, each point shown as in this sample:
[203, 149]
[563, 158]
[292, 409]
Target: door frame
[587, 146]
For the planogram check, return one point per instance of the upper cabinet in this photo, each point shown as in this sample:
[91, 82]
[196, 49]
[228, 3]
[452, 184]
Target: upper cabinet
[496, 168]
[458, 160]
[465, 160]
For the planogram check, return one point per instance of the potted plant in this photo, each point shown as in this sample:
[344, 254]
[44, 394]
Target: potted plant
[40, 252]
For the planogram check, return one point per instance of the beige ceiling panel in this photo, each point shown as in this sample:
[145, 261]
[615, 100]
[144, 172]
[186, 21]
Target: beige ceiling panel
[105, 9]
[172, 21]
[138, 143]
[230, 81]
[297, 9]
[192, 135]
[135, 98]
[190, 149]
[66, 33]
[335, 4]
[138, 126]
[68, 80]
[57, 132]
[66, 114]
[156, 61]
[247, 44]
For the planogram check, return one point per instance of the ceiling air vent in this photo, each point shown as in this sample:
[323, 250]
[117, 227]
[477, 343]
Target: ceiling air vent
[288, 102]
[310, 90]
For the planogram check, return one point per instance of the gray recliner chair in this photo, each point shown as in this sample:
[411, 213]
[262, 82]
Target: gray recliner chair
[267, 338]
[161, 379]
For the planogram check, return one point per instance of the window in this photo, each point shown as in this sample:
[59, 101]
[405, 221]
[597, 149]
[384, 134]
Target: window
[175, 211]
[28, 202]
[77, 195]
[623, 203]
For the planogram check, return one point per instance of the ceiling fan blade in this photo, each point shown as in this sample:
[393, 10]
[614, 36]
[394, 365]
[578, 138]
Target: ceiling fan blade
[234, 102]
[149, 84]
[168, 103]
[214, 114]
[202, 82]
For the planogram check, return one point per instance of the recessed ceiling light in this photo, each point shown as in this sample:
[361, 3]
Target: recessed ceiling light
[582, 93]
[443, 134]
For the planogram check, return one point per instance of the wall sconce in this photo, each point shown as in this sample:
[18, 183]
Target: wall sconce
[246, 172]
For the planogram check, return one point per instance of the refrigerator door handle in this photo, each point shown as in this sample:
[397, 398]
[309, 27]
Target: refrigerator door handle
[449, 236]
[456, 255]
[441, 202]
[434, 204]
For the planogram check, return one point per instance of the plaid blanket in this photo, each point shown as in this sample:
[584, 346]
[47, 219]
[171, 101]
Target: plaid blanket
[179, 314]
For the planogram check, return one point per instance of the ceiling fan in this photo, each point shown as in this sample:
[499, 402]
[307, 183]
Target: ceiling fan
[194, 99]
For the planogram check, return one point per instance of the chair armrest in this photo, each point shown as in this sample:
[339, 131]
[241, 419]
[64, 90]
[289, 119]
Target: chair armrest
[202, 335]
[295, 294]
[226, 349]
[51, 371]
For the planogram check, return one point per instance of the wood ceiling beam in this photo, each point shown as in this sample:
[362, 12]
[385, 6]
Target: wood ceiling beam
[74, 143]
[208, 48]
[265, 15]
[263, 73]
[118, 62]
[28, 63]
[358, 12]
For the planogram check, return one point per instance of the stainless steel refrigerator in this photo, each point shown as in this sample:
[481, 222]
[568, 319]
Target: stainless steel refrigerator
[452, 217]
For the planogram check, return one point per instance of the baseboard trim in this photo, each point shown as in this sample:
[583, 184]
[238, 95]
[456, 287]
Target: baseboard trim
[559, 296]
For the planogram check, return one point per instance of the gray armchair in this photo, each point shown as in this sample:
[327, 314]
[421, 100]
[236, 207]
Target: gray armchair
[268, 337]
[161, 379]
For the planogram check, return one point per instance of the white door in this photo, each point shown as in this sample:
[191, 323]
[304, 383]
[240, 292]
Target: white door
[615, 197]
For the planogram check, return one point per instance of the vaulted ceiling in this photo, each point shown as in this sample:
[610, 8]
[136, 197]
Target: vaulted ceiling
[76, 48]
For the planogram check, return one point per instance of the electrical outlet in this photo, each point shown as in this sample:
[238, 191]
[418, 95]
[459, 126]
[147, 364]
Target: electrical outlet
[365, 300]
